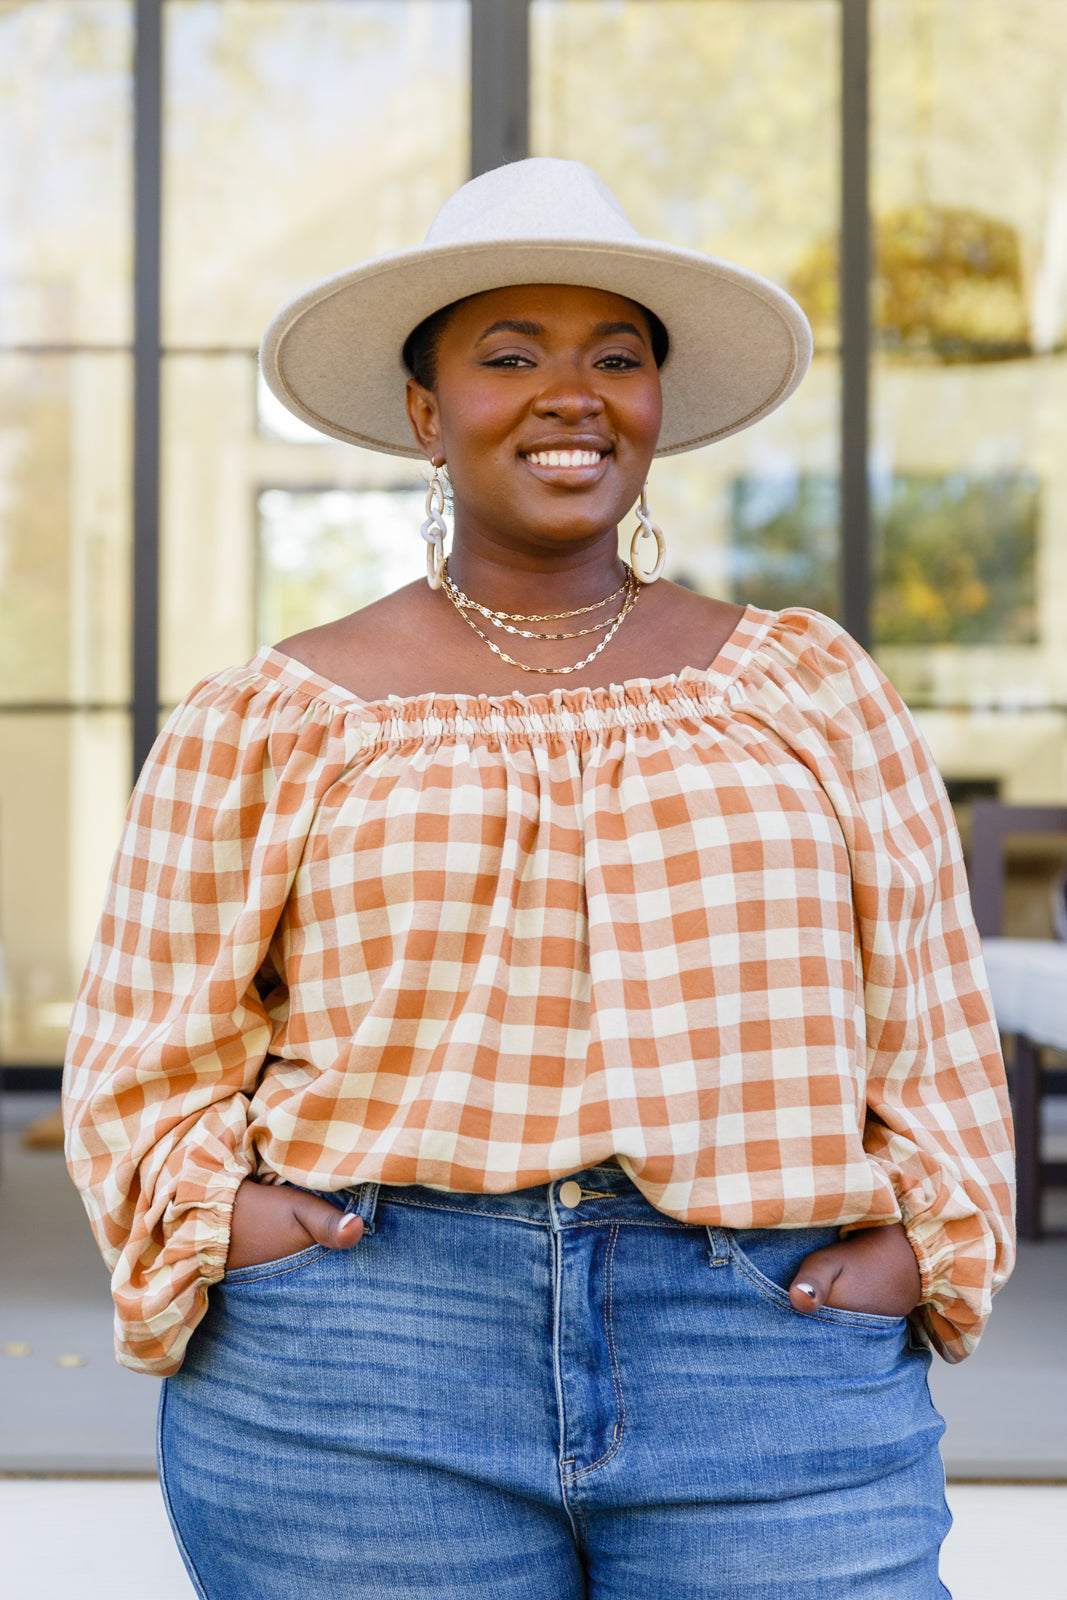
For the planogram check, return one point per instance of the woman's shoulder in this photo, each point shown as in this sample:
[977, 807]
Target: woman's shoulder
[266, 720]
[823, 689]
[812, 650]
[353, 651]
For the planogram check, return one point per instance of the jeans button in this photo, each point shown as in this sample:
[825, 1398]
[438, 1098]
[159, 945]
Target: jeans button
[570, 1194]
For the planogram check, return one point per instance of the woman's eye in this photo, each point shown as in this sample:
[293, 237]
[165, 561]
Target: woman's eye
[618, 363]
[508, 361]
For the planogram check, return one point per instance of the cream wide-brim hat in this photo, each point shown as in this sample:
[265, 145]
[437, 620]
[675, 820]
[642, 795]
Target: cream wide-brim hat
[739, 345]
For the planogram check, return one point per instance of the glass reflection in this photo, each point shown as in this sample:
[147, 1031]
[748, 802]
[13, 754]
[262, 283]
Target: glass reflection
[970, 382]
[57, 838]
[325, 553]
[955, 558]
[65, 180]
[716, 125]
[227, 536]
[65, 533]
[301, 137]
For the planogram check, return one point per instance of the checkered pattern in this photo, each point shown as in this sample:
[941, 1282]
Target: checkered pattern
[716, 924]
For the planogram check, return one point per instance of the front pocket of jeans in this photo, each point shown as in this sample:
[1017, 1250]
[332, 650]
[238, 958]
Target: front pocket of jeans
[774, 1291]
[275, 1269]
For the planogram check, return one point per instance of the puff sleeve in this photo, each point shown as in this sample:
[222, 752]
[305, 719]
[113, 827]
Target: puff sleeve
[938, 1126]
[171, 1030]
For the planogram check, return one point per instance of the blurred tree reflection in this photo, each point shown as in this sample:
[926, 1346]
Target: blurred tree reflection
[955, 555]
[948, 285]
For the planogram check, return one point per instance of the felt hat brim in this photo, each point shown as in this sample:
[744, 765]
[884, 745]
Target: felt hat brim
[739, 345]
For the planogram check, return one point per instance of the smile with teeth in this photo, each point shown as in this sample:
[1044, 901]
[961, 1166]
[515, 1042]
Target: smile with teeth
[566, 458]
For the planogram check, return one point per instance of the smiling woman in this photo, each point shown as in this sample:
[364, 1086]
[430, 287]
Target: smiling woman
[583, 1106]
[547, 405]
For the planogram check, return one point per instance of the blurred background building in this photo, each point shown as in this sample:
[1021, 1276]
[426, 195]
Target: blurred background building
[174, 169]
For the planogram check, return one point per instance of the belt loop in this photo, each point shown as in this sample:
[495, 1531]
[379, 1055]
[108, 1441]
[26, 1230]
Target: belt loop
[363, 1201]
[718, 1247]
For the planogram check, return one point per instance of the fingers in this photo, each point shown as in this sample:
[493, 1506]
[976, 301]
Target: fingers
[871, 1270]
[273, 1220]
[338, 1230]
[815, 1279]
[349, 1230]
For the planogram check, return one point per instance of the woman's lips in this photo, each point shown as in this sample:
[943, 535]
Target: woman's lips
[567, 466]
[565, 458]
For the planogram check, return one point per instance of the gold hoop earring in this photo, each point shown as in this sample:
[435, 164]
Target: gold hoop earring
[646, 529]
[434, 529]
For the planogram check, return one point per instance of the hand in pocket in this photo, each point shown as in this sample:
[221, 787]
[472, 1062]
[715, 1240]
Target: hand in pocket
[873, 1270]
[273, 1220]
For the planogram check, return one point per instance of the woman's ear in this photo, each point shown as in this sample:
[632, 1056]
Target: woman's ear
[424, 419]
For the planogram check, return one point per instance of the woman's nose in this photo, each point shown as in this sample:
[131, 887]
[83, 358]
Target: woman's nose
[571, 399]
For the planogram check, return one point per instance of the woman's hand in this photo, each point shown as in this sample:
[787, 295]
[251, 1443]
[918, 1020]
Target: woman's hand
[273, 1220]
[873, 1269]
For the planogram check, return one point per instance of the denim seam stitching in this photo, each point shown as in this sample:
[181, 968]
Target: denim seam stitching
[167, 1506]
[579, 1510]
[532, 1222]
[280, 1272]
[573, 1510]
[628, 1222]
[620, 1403]
[430, 1205]
[717, 1241]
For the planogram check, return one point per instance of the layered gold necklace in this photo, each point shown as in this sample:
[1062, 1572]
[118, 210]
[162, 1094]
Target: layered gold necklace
[629, 589]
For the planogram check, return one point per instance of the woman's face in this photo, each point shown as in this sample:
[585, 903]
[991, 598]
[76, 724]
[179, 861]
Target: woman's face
[547, 410]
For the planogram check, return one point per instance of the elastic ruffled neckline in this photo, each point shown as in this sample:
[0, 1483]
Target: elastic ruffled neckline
[693, 686]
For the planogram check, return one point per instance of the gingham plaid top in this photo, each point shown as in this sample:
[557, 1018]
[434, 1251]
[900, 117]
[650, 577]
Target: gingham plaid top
[716, 924]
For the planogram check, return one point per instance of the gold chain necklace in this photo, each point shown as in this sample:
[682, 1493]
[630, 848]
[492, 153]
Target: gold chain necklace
[500, 617]
[630, 589]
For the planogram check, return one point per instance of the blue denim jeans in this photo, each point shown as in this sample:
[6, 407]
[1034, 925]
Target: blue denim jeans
[502, 1397]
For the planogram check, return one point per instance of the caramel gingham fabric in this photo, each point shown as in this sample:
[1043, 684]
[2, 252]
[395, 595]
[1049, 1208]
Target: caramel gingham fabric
[715, 924]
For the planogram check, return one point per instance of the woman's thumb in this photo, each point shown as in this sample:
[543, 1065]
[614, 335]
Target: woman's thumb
[338, 1230]
[811, 1287]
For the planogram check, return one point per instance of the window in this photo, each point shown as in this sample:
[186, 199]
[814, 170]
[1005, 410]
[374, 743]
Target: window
[65, 400]
[298, 135]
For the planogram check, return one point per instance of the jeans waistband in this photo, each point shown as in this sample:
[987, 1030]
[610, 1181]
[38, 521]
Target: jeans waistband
[596, 1195]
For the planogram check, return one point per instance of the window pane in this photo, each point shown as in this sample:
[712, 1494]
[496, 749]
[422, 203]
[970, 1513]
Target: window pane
[245, 512]
[64, 527]
[65, 180]
[715, 122]
[64, 782]
[324, 553]
[970, 382]
[301, 135]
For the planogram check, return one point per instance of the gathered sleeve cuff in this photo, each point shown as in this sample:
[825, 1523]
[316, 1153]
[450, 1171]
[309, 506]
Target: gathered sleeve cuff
[937, 1120]
[171, 1027]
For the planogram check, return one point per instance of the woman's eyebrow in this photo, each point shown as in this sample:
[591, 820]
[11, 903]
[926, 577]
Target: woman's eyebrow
[535, 330]
[605, 330]
[531, 330]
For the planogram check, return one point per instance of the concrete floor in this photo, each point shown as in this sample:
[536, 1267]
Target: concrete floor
[1006, 1542]
[1006, 1407]
[55, 1299]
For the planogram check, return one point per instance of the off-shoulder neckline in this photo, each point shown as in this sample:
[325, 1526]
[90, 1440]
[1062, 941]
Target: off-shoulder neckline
[752, 628]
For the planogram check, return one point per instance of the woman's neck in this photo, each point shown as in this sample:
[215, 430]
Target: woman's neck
[535, 581]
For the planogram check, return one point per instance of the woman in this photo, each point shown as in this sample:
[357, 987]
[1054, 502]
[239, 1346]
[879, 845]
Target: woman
[543, 1007]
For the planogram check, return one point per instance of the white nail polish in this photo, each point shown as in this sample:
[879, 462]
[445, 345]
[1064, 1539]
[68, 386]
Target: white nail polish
[807, 1289]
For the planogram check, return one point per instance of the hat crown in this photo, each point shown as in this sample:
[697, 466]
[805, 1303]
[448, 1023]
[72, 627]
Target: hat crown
[540, 198]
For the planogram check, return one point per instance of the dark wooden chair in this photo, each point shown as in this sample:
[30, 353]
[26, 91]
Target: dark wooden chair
[1028, 978]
